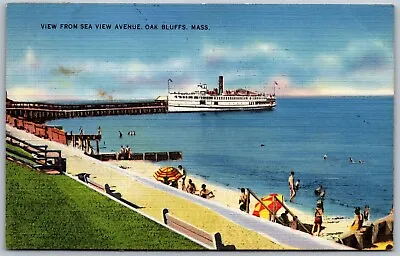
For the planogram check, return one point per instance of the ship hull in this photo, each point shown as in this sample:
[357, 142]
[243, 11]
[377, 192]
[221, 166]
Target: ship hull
[199, 108]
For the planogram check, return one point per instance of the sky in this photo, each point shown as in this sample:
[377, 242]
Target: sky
[309, 50]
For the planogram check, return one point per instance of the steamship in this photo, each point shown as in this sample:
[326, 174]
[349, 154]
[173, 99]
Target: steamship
[217, 99]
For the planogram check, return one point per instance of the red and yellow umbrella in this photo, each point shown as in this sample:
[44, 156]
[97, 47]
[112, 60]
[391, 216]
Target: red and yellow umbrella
[171, 172]
[270, 203]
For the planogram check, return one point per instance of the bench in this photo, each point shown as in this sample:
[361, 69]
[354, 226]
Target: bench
[210, 241]
[84, 177]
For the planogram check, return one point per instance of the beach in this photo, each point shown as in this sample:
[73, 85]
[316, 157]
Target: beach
[151, 201]
[333, 225]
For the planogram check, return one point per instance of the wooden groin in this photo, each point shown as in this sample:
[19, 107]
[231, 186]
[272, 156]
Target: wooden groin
[149, 156]
[42, 112]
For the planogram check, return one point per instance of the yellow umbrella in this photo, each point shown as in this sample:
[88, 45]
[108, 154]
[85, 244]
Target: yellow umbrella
[171, 172]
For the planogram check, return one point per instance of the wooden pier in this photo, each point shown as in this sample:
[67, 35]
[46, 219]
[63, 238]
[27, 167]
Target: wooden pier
[42, 112]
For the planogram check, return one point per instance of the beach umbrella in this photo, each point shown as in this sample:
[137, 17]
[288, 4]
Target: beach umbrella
[171, 172]
[268, 201]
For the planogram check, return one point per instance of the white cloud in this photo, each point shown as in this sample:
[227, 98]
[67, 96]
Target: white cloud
[258, 49]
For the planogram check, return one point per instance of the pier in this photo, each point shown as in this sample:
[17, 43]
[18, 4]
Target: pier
[41, 112]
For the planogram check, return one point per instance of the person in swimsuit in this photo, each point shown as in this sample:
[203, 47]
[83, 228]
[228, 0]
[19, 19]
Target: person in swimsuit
[205, 193]
[297, 185]
[358, 220]
[191, 188]
[319, 212]
[291, 186]
[243, 200]
[366, 213]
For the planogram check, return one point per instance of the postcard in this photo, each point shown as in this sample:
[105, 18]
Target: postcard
[199, 126]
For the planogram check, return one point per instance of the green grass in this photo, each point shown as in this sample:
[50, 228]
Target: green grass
[56, 212]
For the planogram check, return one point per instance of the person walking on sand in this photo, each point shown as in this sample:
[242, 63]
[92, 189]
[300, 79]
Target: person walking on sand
[243, 200]
[291, 186]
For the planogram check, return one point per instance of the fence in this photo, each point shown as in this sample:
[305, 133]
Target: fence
[40, 130]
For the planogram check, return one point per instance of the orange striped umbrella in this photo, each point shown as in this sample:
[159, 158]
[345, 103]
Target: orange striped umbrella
[171, 172]
[259, 209]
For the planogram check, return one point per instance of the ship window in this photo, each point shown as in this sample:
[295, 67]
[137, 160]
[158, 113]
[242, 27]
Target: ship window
[175, 97]
[215, 102]
[196, 97]
[190, 97]
[202, 102]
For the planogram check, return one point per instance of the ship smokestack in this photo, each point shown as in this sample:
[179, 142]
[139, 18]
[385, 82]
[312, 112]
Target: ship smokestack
[221, 85]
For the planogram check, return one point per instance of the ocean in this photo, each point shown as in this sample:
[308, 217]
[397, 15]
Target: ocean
[259, 149]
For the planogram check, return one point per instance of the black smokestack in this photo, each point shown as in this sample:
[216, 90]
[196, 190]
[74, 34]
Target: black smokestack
[221, 85]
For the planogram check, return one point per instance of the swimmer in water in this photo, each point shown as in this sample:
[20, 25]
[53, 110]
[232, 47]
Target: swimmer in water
[351, 160]
[325, 157]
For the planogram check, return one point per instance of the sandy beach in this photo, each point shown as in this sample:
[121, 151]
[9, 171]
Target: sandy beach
[152, 200]
[334, 226]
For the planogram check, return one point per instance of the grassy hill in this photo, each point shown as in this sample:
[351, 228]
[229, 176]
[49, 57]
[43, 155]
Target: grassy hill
[56, 212]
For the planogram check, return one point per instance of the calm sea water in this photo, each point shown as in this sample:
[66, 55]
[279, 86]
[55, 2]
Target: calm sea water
[225, 148]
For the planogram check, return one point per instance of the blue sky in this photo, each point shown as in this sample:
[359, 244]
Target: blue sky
[310, 50]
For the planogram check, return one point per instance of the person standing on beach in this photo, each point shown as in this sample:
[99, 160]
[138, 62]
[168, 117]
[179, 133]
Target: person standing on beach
[291, 186]
[243, 200]
[319, 212]
[128, 152]
[121, 153]
[183, 171]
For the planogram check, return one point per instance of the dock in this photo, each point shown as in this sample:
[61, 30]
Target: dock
[39, 112]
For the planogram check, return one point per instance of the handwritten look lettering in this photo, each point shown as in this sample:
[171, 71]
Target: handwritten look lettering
[124, 26]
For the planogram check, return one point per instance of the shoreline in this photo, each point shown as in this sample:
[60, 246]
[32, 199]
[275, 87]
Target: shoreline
[333, 225]
[142, 195]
